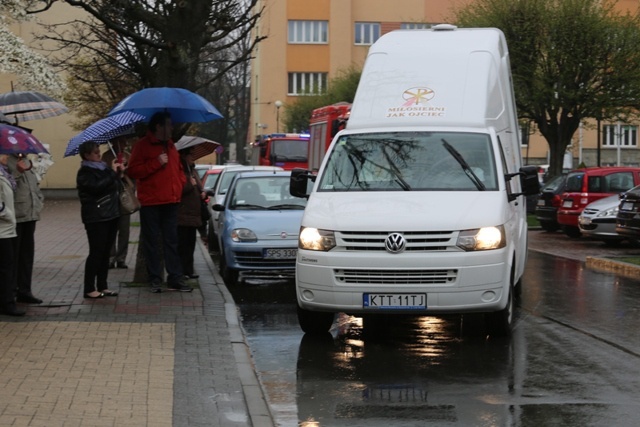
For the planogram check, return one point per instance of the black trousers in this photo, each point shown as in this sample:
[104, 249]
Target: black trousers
[23, 253]
[7, 283]
[186, 247]
[101, 236]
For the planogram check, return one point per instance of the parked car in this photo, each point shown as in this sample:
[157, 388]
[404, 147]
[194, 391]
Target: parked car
[587, 185]
[549, 201]
[598, 220]
[259, 225]
[219, 192]
[628, 218]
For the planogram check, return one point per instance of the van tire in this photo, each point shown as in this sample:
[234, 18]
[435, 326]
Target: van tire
[499, 322]
[314, 322]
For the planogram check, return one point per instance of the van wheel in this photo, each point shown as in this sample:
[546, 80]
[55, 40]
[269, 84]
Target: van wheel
[314, 322]
[573, 232]
[499, 323]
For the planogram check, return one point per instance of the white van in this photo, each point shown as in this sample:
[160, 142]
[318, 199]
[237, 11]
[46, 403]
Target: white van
[418, 206]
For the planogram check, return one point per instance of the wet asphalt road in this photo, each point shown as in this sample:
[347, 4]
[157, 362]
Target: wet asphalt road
[573, 358]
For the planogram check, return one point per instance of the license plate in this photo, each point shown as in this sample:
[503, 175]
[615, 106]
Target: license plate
[281, 253]
[541, 202]
[567, 203]
[627, 206]
[394, 301]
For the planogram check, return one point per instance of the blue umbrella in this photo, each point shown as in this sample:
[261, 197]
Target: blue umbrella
[183, 105]
[104, 130]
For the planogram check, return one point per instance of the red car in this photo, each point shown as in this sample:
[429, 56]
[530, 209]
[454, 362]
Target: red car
[587, 185]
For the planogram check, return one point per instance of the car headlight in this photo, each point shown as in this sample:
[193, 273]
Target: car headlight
[243, 235]
[608, 213]
[482, 239]
[316, 240]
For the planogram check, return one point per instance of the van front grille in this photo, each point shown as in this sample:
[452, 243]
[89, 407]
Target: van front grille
[396, 277]
[417, 241]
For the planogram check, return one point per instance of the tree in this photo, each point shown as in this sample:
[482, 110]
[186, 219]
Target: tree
[32, 70]
[571, 60]
[342, 88]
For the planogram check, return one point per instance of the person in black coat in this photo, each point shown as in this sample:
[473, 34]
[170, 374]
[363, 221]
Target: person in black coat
[98, 190]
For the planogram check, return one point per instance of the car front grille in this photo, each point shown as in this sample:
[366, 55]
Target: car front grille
[396, 277]
[254, 259]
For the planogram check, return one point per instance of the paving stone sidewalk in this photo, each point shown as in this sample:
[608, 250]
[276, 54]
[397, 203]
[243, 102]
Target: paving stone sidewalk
[139, 359]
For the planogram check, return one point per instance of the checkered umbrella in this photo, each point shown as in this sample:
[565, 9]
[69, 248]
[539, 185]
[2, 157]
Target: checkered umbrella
[30, 105]
[201, 146]
[105, 130]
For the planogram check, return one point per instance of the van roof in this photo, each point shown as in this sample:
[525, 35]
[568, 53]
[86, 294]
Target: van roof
[435, 78]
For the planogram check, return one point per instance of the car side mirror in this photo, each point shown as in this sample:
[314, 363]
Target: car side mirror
[217, 207]
[298, 182]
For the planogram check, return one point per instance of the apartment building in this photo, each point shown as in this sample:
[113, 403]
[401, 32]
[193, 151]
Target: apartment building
[308, 43]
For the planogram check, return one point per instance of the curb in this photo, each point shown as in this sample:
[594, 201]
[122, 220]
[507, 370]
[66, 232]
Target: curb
[614, 266]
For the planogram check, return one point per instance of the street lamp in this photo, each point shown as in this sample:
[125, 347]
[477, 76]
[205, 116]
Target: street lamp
[278, 104]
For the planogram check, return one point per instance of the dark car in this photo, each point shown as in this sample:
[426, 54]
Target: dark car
[628, 218]
[549, 201]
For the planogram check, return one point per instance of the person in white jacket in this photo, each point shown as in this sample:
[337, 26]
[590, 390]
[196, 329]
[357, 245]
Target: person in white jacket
[7, 236]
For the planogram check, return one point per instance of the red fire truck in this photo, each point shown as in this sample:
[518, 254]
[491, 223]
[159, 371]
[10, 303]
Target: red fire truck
[286, 150]
[325, 123]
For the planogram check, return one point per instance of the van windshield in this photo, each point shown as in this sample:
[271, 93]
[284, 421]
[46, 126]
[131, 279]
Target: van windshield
[411, 161]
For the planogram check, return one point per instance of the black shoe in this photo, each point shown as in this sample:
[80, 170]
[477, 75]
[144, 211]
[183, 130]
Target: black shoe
[155, 288]
[121, 264]
[112, 265]
[180, 287]
[12, 310]
[191, 276]
[28, 298]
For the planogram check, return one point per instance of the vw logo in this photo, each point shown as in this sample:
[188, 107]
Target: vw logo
[283, 235]
[395, 243]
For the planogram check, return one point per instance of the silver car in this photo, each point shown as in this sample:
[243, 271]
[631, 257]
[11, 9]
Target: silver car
[598, 220]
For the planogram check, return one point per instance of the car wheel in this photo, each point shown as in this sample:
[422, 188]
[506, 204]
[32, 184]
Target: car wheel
[573, 232]
[213, 240]
[314, 322]
[229, 275]
[549, 226]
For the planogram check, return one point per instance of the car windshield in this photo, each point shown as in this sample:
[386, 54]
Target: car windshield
[555, 183]
[408, 161]
[264, 193]
[227, 177]
[210, 180]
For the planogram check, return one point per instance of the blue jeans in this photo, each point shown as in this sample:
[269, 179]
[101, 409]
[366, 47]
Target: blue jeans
[161, 221]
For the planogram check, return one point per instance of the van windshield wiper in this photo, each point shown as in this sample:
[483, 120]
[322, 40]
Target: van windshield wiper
[465, 166]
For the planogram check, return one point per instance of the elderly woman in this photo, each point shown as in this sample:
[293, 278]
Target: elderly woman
[7, 236]
[98, 189]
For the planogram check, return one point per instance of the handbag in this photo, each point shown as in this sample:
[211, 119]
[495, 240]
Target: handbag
[204, 211]
[128, 201]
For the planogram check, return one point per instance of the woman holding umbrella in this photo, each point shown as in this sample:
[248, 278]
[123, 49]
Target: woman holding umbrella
[7, 235]
[98, 190]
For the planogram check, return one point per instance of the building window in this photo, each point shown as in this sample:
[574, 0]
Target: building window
[308, 32]
[626, 134]
[367, 32]
[415, 26]
[307, 83]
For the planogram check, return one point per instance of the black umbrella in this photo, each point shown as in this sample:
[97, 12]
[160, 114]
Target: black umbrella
[30, 105]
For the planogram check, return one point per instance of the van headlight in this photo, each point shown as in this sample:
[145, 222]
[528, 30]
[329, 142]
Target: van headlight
[482, 239]
[243, 235]
[316, 240]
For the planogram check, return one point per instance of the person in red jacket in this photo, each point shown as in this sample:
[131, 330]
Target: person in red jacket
[155, 165]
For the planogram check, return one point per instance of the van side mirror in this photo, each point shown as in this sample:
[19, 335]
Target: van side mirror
[528, 181]
[298, 183]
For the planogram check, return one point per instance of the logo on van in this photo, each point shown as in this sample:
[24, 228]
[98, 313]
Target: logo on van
[417, 96]
[395, 243]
